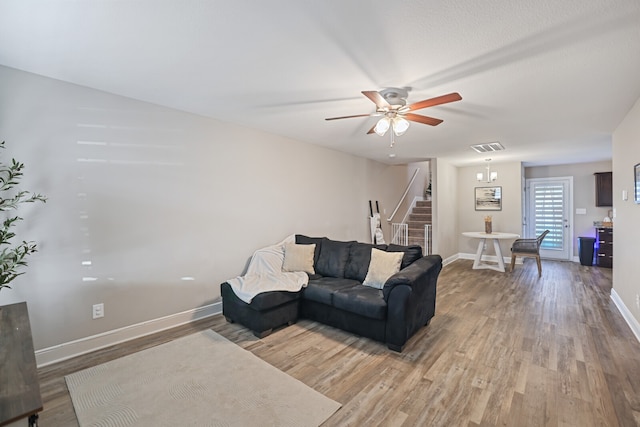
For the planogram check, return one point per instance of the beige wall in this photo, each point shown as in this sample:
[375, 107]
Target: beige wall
[584, 193]
[420, 184]
[507, 220]
[164, 205]
[445, 208]
[626, 229]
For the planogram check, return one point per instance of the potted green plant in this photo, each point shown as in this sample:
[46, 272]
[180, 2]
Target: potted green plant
[13, 256]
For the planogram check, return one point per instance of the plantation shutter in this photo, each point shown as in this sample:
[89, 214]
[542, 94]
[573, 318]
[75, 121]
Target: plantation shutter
[549, 213]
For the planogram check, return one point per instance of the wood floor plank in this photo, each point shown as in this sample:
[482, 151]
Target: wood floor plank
[504, 349]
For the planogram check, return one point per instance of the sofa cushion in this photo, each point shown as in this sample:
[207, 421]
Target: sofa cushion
[298, 258]
[322, 289]
[333, 258]
[305, 240]
[367, 302]
[382, 266]
[268, 300]
[411, 253]
[359, 259]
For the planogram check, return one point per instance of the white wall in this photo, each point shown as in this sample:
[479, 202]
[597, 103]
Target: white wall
[445, 208]
[507, 220]
[626, 224]
[584, 193]
[150, 195]
[422, 179]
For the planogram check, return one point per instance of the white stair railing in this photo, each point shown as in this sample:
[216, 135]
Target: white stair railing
[406, 191]
[404, 221]
[400, 233]
[426, 249]
[413, 205]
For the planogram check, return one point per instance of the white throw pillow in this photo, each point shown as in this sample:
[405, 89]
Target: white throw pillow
[382, 266]
[298, 258]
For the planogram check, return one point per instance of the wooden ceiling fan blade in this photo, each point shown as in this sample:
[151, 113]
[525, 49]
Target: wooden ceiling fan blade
[348, 117]
[422, 119]
[438, 100]
[377, 99]
[372, 130]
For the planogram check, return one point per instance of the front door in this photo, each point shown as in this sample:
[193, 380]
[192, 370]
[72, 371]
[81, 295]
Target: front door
[549, 207]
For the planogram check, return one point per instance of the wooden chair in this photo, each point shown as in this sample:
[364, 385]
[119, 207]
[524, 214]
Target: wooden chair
[528, 248]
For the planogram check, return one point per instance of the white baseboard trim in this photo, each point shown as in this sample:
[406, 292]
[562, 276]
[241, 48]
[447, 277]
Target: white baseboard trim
[626, 314]
[490, 258]
[60, 352]
[450, 259]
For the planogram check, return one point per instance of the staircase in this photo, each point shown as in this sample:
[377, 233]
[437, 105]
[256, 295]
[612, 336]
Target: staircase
[415, 228]
[418, 218]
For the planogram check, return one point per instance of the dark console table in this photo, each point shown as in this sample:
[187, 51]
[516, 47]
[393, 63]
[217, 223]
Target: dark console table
[20, 399]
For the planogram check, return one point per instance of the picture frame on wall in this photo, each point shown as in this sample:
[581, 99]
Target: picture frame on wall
[636, 186]
[488, 198]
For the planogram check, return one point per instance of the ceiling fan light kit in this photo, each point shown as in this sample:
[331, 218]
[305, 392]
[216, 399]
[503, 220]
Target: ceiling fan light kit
[382, 126]
[399, 125]
[391, 103]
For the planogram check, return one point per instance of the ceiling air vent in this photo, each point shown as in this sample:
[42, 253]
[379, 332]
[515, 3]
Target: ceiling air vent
[488, 147]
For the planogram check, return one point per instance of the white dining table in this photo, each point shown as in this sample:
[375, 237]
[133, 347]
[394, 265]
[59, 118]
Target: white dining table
[496, 237]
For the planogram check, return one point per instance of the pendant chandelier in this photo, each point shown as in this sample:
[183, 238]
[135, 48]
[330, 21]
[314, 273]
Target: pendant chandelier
[490, 177]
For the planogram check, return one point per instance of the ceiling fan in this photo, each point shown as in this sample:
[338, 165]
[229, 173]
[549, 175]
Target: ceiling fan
[391, 103]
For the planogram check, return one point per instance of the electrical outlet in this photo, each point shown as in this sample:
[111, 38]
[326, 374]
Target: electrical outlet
[638, 301]
[98, 310]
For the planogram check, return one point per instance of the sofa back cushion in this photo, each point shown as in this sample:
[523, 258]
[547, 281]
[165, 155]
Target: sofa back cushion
[305, 240]
[359, 259]
[333, 258]
[411, 253]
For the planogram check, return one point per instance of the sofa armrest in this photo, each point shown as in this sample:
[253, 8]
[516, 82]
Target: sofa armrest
[414, 274]
[411, 299]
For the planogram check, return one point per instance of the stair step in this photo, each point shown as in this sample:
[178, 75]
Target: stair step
[416, 232]
[420, 217]
[421, 210]
[417, 225]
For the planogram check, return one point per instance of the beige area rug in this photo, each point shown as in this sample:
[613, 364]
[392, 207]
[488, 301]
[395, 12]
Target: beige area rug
[199, 380]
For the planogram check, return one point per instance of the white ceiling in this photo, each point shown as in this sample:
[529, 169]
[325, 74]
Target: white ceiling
[549, 79]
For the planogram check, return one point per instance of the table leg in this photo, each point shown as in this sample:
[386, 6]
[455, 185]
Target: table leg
[496, 246]
[478, 261]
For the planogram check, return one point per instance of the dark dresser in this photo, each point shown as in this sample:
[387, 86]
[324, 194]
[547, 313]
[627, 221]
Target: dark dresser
[604, 245]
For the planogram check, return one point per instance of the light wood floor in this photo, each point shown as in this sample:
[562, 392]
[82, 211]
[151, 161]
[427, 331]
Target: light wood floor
[504, 349]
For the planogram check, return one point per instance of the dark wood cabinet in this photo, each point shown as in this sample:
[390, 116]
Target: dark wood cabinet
[604, 243]
[604, 189]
